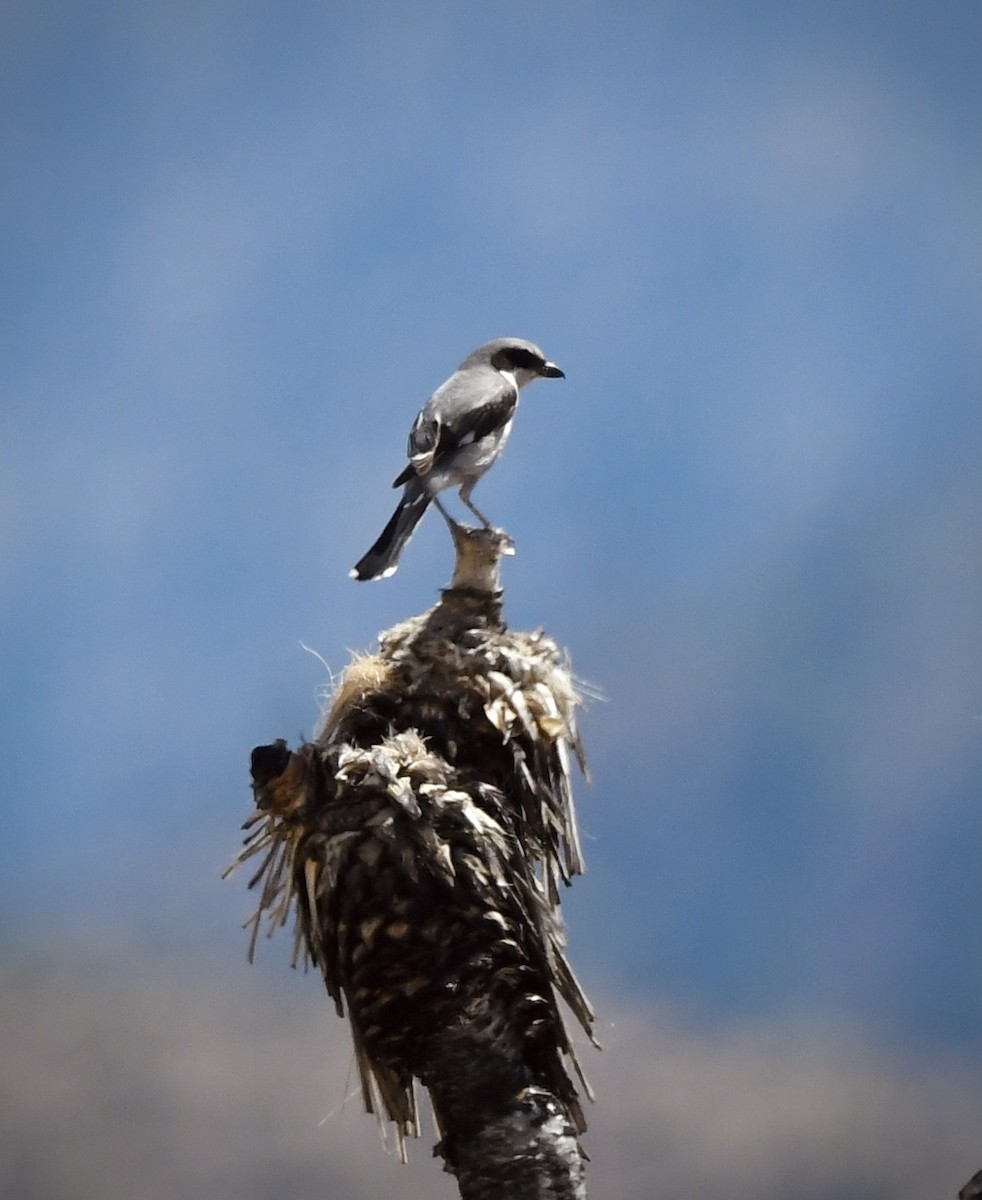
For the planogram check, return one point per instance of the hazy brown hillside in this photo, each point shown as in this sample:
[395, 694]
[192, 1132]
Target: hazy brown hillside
[170, 1085]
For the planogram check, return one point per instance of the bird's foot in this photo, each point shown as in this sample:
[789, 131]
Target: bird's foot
[505, 543]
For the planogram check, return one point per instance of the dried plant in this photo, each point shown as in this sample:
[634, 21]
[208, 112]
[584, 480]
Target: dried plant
[421, 841]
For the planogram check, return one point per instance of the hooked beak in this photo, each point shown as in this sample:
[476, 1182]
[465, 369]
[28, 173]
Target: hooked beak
[551, 371]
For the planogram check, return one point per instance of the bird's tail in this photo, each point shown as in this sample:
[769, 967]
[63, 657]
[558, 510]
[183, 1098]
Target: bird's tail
[381, 561]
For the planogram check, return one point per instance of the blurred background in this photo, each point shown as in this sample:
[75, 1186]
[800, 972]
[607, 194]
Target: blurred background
[241, 243]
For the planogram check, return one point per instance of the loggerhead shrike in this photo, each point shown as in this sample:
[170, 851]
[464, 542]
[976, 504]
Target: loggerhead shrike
[458, 434]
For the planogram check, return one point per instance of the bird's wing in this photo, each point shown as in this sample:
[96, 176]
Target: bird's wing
[424, 441]
[452, 419]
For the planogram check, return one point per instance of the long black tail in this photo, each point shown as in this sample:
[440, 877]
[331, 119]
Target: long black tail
[381, 561]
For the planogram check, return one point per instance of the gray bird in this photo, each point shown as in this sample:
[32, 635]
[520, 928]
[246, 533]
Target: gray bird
[459, 433]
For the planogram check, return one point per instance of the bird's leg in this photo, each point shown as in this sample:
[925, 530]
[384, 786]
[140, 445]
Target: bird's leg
[465, 495]
[504, 542]
[446, 516]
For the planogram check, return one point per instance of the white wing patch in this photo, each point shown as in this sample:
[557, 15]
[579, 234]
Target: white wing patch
[423, 441]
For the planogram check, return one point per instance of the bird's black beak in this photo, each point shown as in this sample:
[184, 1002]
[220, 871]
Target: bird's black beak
[551, 371]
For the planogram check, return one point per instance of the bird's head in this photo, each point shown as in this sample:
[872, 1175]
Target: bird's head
[523, 360]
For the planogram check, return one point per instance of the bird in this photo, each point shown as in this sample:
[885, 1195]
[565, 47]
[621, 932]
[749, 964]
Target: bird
[457, 436]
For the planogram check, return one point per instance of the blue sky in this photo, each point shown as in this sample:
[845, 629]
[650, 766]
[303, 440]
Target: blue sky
[241, 244]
